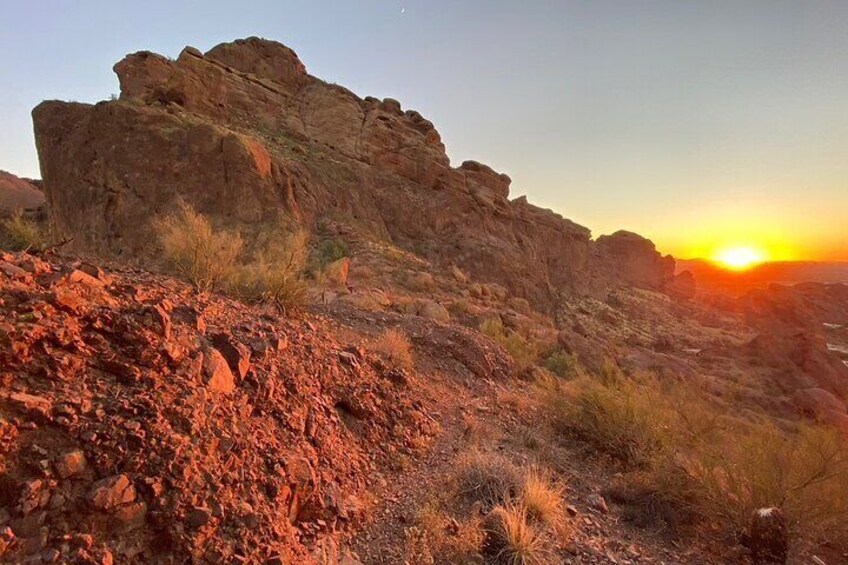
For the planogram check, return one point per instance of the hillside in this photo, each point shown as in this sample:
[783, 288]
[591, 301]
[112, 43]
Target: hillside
[262, 320]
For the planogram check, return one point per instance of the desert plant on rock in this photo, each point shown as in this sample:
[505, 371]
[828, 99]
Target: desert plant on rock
[202, 255]
[561, 364]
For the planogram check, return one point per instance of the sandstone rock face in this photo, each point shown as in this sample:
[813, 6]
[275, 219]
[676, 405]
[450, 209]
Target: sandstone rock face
[244, 134]
[17, 193]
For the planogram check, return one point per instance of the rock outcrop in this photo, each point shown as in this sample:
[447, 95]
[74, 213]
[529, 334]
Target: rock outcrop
[120, 441]
[245, 134]
[18, 194]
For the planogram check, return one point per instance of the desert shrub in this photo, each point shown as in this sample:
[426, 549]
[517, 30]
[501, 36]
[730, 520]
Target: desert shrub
[419, 281]
[331, 250]
[560, 363]
[18, 233]
[488, 478]
[805, 473]
[275, 274]
[202, 255]
[512, 539]
[395, 348]
[695, 460]
[523, 351]
[624, 421]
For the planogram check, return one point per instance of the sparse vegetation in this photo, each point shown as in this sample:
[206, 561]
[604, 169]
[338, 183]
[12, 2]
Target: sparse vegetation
[689, 457]
[541, 497]
[202, 255]
[394, 346]
[488, 478]
[18, 233]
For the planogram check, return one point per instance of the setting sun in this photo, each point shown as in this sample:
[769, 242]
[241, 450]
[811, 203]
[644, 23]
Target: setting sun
[739, 258]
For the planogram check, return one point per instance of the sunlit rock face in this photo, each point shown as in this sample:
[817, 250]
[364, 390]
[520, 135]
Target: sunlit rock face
[244, 133]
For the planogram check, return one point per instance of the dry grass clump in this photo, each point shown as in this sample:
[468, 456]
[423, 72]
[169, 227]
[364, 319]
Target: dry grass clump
[202, 255]
[511, 538]
[437, 538]
[18, 233]
[395, 348]
[542, 498]
[488, 478]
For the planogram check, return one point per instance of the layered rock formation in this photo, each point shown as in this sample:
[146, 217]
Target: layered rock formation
[244, 134]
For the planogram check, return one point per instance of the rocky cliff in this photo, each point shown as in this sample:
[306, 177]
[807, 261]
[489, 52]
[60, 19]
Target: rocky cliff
[244, 134]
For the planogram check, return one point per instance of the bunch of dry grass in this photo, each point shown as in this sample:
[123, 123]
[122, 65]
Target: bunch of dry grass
[525, 352]
[202, 255]
[542, 498]
[511, 538]
[395, 348]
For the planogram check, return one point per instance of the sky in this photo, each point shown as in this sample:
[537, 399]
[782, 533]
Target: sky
[701, 125]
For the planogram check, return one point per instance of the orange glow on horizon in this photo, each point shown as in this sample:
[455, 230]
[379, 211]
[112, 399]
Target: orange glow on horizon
[739, 257]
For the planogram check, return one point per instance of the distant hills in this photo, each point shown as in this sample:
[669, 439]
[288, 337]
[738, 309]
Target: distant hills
[711, 277]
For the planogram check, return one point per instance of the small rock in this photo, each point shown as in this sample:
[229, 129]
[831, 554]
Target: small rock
[219, 377]
[599, 503]
[81, 277]
[236, 354]
[70, 463]
[111, 492]
[198, 517]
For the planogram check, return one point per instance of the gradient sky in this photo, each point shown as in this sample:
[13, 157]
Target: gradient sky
[697, 124]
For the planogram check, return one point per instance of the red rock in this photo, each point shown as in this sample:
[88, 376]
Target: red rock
[70, 464]
[236, 354]
[219, 377]
[80, 277]
[111, 492]
[17, 193]
[67, 299]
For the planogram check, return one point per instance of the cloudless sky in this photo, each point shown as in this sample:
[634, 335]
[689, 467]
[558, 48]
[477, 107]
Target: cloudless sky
[700, 124]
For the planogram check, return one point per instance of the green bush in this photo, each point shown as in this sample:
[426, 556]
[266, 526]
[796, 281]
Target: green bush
[561, 364]
[524, 352]
[331, 250]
